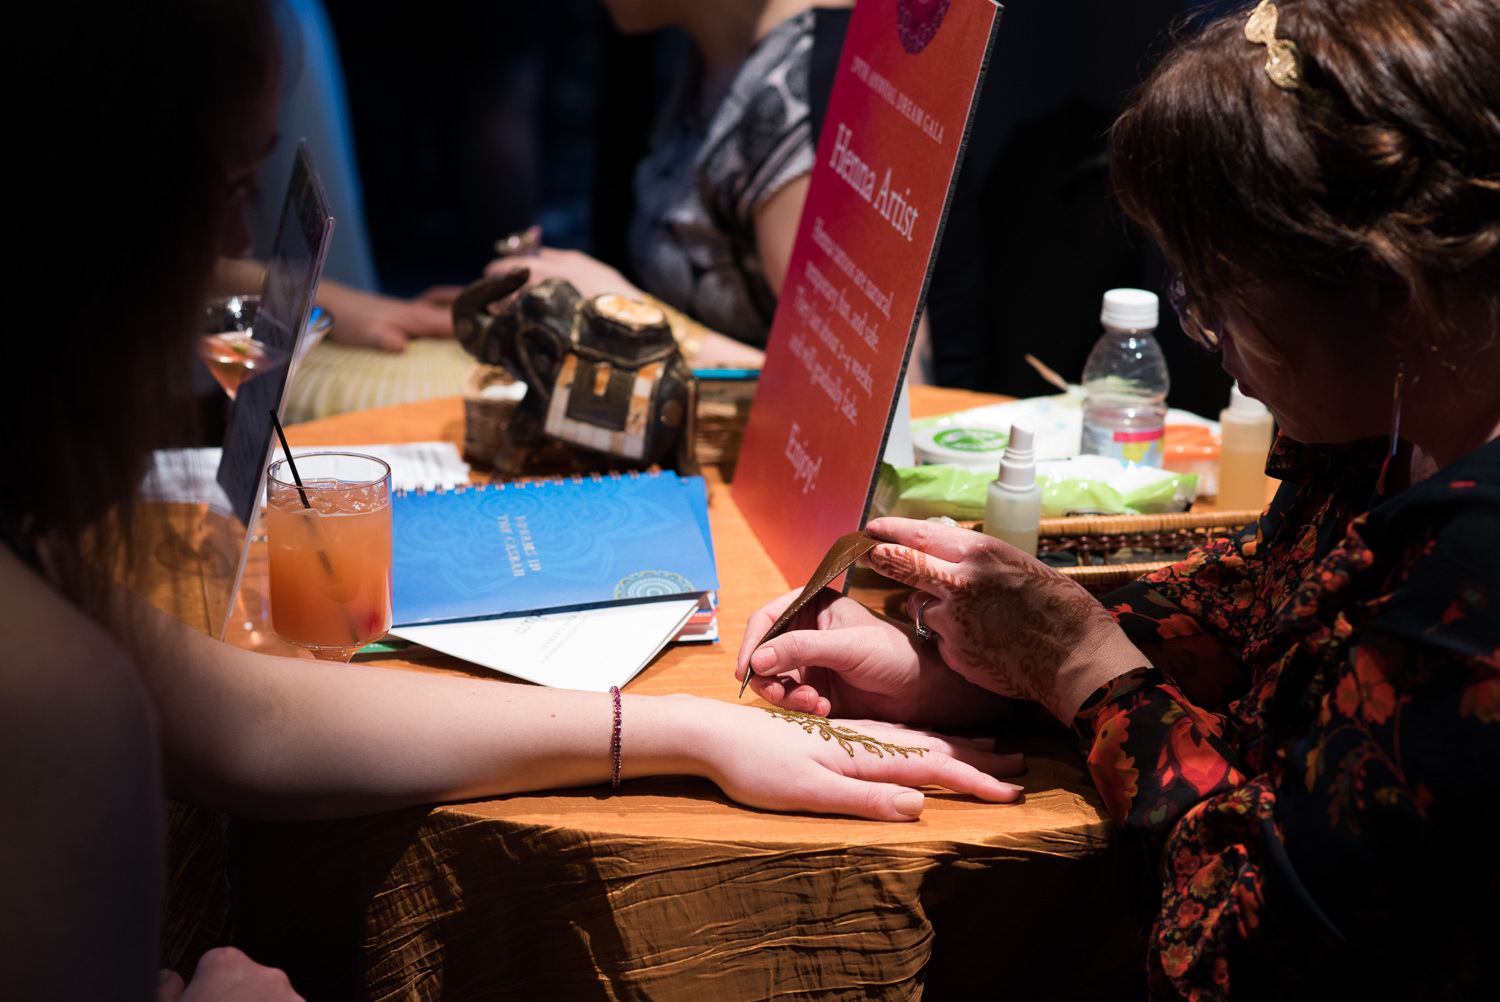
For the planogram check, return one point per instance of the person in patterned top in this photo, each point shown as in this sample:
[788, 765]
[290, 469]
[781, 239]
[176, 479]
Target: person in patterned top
[719, 194]
[1298, 726]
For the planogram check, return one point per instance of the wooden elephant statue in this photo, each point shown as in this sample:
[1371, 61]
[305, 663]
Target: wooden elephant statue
[603, 375]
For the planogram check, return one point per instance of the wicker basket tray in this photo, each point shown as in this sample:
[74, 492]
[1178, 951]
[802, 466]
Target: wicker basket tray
[1096, 539]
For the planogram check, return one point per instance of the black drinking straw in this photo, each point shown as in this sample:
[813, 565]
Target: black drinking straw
[291, 464]
[322, 553]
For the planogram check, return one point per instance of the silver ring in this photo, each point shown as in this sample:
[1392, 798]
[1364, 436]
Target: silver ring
[522, 243]
[923, 630]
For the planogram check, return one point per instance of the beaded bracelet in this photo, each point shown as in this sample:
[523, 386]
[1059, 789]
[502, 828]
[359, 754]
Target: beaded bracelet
[614, 741]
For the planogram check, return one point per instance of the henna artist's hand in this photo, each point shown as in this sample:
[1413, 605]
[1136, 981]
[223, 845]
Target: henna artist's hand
[782, 760]
[1004, 620]
[841, 658]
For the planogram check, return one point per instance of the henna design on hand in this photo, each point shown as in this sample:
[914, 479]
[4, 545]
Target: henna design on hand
[846, 737]
[1015, 621]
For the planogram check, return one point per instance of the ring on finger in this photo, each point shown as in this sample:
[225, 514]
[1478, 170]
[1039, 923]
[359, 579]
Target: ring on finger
[522, 243]
[923, 630]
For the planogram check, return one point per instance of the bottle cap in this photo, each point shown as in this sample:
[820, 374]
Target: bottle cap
[1018, 465]
[1129, 309]
[1244, 406]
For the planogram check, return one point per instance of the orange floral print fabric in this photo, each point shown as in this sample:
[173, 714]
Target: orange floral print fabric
[1313, 758]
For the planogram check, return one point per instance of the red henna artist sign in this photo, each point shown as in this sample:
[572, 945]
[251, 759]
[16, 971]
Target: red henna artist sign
[892, 139]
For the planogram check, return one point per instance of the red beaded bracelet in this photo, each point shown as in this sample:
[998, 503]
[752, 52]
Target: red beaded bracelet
[614, 741]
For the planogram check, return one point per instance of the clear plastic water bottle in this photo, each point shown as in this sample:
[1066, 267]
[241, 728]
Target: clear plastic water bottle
[1125, 382]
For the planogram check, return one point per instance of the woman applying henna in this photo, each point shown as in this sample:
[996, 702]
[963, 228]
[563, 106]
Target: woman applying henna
[1301, 724]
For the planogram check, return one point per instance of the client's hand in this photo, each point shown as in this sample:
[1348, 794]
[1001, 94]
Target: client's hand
[371, 320]
[1002, 619]
[839, 657]
[781, 760]
[590, 276]
[227, 975]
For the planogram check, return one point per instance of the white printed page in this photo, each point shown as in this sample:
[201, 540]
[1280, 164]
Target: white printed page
[590, 649]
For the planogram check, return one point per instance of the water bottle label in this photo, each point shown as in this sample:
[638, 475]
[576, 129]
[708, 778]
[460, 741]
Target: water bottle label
[1136, 445]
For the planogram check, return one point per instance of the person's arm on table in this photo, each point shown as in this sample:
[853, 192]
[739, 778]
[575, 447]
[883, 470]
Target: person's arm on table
[372, 320]
[290, 738]
[362, 319]
[592, 277]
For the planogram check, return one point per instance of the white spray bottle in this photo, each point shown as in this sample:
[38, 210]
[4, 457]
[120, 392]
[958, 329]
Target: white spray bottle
[1013, 506]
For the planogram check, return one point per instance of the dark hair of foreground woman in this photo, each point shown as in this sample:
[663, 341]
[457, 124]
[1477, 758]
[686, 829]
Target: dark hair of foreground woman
[125, 122]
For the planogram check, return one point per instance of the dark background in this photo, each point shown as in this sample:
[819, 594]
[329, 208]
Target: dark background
[475, 119]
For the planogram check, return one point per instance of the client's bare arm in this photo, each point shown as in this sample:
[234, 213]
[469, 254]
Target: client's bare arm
[286, 737]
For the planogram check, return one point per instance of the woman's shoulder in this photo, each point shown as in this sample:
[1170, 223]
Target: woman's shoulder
[1444, 536]
[1452, 515]
[67, 685]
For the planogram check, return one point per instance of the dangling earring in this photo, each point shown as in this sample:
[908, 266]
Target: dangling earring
[1396, 406]
[1390, 454]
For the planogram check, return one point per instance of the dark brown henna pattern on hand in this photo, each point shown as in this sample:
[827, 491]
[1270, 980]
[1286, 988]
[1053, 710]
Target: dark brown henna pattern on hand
[846, 737]
[1014, 620]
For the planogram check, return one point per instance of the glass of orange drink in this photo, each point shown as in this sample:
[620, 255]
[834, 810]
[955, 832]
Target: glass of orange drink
[330, 551]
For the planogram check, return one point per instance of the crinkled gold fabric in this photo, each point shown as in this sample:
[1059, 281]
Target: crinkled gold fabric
[669, 891]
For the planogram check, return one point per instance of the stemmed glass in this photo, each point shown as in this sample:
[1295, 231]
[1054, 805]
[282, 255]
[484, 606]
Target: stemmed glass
[229, 348]
[328, 523]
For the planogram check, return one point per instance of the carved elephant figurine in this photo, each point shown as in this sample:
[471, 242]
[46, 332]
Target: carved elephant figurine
[603, 374]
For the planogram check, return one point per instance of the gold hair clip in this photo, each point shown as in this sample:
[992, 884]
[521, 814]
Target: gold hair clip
[1283, 58]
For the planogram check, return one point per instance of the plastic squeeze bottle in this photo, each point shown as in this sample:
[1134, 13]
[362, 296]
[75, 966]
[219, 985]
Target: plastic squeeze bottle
[1125, 382]
[1246, 428]
[1013, 506]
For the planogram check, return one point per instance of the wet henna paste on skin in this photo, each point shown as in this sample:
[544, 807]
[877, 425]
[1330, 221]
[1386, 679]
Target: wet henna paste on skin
[847, 738]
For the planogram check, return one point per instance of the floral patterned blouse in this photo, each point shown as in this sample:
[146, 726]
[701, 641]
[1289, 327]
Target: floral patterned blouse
[1312, 761]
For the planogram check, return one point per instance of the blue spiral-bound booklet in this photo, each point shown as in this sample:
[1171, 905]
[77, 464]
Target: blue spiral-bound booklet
[501, 549]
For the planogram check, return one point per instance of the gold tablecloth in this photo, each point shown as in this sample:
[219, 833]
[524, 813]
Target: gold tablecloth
[667, 890]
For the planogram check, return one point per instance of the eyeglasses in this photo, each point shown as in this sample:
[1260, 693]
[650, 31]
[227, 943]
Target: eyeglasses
[1198, 324]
